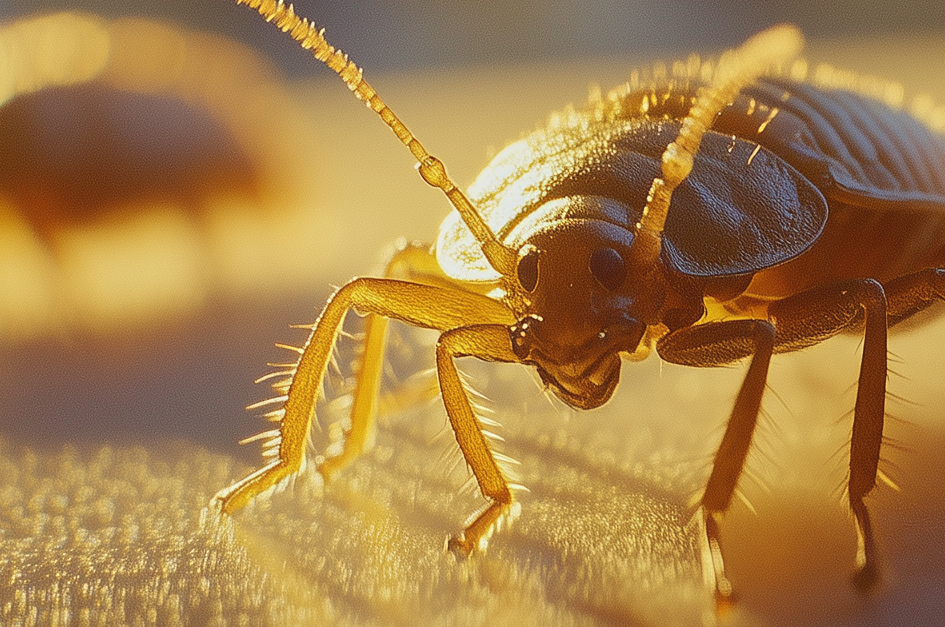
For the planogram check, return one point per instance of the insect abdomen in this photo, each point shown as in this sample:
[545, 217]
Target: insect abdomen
[865, 149]
[881, 171]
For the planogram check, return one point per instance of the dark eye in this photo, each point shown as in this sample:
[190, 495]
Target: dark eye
[608, 268]
[528, 270]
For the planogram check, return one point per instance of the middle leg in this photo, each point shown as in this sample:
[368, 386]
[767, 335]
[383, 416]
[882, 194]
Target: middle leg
[717, 344]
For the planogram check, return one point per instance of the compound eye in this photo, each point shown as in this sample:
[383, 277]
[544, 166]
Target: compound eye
[528, 270]
[608, 267]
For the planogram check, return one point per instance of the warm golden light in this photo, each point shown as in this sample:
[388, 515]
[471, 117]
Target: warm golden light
[58, 49]
[27, 275]
[100, 235]
[113, 530]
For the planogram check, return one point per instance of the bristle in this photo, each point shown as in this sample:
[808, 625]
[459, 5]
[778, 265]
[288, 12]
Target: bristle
[744, 499]
[294, 349]
[505, 459]
[271, 448]
[883, 477]
[268, 401]
[756, 479]
[487, 421]
[493, 436]
[334, 370]
[275, 415]
[260, 436]
[451, 458]
[901, 399]
[511, 468]
[277, 373]
[277, 365]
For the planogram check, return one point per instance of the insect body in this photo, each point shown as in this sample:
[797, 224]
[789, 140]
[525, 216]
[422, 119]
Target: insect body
[604, 237]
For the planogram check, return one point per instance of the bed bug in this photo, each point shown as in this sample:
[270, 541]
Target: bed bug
[707, 216]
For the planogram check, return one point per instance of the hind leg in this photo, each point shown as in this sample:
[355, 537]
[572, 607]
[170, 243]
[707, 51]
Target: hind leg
[794, 323]
[797, 320]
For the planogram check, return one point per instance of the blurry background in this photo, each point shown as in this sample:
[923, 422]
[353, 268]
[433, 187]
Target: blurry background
[179, 183]
[403, 34]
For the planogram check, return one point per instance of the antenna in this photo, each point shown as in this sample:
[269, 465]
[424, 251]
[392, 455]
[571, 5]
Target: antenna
[311, 37]
[736, 69]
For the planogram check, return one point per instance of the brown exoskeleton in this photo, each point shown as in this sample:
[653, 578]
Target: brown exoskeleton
[605, 235]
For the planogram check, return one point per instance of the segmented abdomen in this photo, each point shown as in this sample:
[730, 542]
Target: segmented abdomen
[847, 144]
[881, 171]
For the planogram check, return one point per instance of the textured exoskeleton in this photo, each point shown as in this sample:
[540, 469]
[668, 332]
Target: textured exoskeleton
[606, 235]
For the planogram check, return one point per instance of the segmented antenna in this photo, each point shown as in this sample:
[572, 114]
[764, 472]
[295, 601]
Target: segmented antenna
[736, 69]
[312, 38]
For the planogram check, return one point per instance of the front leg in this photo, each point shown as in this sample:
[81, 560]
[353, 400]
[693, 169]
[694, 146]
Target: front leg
[490, 342]
[416, 264]
[420, 305]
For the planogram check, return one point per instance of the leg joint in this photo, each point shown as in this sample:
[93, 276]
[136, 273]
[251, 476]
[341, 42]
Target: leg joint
[717, 343]
[871, 295]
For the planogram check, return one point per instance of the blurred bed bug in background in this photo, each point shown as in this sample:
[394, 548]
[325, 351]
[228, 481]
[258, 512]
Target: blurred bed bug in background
[708, 214]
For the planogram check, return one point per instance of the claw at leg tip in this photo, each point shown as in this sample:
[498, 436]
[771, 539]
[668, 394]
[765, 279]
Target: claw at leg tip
[865, 579]
[725, 600]
[458, 547]
[215, 506]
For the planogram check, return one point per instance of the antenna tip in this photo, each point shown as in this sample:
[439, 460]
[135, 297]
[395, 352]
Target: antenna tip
[780, 43]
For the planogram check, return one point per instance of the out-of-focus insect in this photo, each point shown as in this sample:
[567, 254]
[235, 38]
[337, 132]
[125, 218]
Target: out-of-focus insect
[716, 215]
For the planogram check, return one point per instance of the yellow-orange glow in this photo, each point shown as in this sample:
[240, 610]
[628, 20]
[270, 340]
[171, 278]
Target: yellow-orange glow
[143, 257]
[58, 49]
